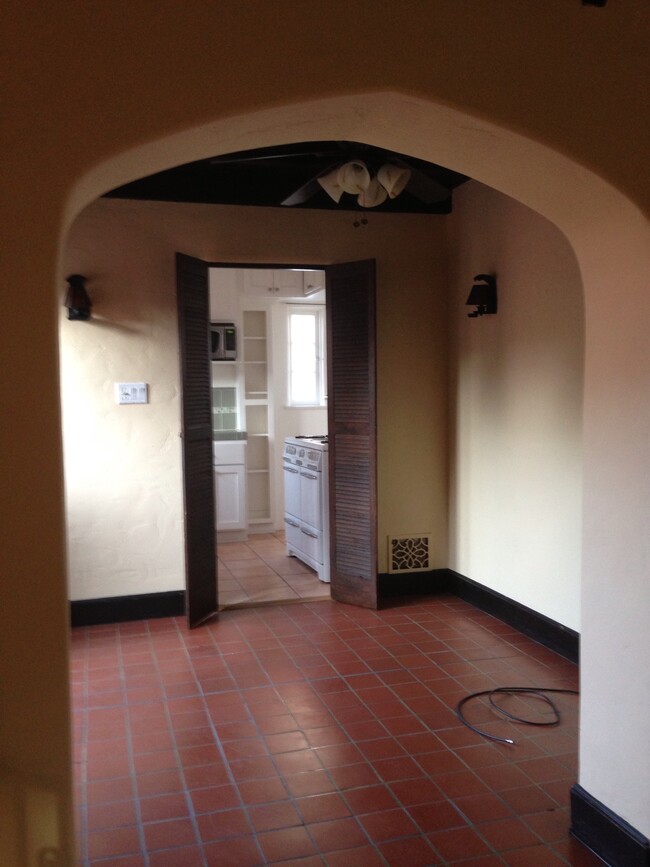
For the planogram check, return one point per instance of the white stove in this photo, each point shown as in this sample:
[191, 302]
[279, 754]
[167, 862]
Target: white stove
[306, 501]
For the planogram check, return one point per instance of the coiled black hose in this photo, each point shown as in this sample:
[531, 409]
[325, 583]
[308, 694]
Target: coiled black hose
[538, 691]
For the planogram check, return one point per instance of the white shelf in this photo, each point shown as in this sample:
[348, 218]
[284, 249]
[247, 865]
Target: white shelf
[256, 400]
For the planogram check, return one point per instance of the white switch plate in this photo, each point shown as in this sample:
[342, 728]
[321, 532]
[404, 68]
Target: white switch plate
[131, 392]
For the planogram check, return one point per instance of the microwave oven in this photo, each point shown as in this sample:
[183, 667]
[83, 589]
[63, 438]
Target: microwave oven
[223, 341]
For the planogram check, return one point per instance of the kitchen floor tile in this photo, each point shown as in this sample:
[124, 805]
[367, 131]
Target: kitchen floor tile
[258, 571]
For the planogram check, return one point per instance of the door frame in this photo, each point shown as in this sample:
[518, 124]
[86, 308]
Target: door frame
[365, 599]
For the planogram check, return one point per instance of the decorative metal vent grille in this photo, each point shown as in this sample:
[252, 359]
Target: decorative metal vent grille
[409, 553]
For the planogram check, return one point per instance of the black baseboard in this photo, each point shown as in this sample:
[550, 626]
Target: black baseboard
[605, 833]
[548, 632]
[392, 586]
[120, 609]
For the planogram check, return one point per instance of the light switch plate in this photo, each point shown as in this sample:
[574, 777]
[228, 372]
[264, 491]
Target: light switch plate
[131, 392]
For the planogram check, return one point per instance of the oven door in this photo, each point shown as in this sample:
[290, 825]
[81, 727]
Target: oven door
[310, 499]
[292, 490]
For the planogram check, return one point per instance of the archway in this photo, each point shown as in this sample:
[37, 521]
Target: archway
[610, 238]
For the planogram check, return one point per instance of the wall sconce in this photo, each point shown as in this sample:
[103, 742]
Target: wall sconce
[77, 299]
[483, 295]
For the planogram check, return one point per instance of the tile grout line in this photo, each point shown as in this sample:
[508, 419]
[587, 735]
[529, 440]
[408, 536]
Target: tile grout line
[224, 758]
[328, 632]
[131, 752]
[432, 731]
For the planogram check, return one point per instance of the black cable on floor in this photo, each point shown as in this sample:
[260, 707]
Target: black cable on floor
[538, 691]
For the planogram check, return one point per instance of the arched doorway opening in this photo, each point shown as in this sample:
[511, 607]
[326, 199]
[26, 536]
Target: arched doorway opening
[541, 179]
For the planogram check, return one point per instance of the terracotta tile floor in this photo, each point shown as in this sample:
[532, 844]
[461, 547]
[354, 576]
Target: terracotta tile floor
[318, 734]
[259, 571]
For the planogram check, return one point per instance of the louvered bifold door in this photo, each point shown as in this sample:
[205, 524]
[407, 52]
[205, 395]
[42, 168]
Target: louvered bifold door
[198, 475]
[352, 432]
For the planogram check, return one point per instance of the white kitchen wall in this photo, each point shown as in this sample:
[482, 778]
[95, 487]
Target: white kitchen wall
[516, 406]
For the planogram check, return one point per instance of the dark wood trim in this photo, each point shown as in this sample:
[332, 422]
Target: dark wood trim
[548, 632]
[393, 585]
[273, 266]
[605, 833]
[120, 609]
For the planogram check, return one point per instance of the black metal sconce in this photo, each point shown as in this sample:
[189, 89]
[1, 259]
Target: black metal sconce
[77, 299]
[483, 295]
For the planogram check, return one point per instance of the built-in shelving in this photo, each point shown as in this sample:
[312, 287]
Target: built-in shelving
[256, 402]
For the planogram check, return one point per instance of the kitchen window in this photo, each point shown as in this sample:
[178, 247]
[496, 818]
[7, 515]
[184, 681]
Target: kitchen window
[307, 368]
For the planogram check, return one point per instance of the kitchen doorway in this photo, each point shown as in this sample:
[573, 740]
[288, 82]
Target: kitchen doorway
[267, 385]
[351, 421]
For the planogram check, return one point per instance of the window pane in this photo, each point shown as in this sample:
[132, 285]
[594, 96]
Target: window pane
[303, 362]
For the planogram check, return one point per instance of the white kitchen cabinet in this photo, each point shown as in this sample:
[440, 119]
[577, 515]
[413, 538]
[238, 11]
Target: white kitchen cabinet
[229, 459]
[230, 496]
[270, 283]
[313, 285]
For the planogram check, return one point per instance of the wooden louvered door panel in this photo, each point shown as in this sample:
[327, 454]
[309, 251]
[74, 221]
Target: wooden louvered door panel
[352, 432]
[198, 475]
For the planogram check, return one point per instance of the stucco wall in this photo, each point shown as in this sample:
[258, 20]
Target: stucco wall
[122, 463]
[516, 406]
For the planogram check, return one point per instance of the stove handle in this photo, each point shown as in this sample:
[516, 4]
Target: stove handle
[291, 470]
[308, 476]
[307, 533]
[291, 523]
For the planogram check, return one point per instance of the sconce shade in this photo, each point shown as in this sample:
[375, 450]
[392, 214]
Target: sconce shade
[479, 295]
[330, 183]
[393, 178]
[373, 196]
[354, 177]
[77, 299]
[483, 295]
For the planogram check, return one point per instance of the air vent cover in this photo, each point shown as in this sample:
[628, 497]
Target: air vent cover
[409, 553]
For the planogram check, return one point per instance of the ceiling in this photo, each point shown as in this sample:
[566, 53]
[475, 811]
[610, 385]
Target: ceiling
[268, 176]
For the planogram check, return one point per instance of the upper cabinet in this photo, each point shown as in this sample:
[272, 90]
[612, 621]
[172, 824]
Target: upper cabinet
[282, 283]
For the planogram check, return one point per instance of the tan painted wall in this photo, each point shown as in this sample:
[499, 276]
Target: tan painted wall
[123, 471]
[546, 102]
[516, 406]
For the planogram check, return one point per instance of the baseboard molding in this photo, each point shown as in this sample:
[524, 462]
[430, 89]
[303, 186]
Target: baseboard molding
[605, 833]
[121, 609]
[548, 632]
[393, 585]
